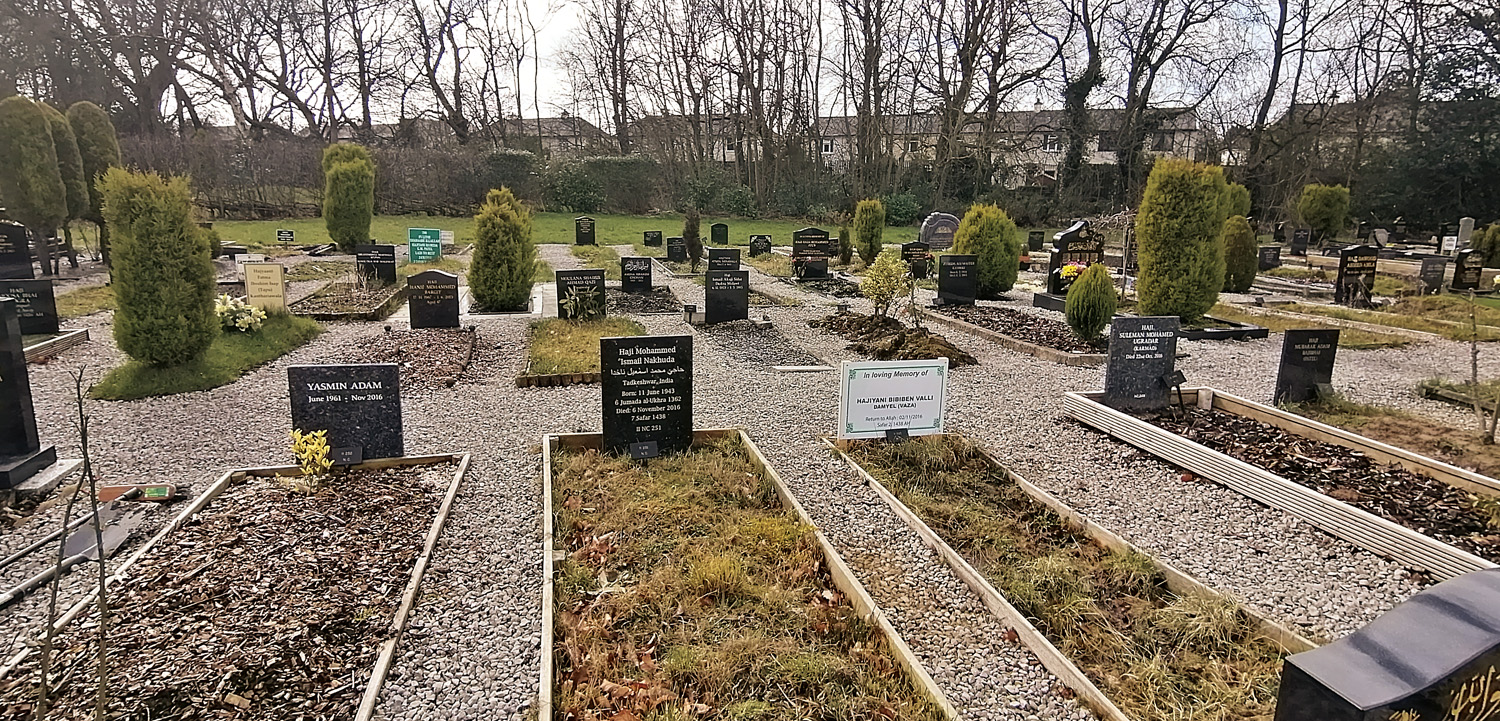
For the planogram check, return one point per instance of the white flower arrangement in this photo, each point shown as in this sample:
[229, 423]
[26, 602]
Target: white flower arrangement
[235, 314]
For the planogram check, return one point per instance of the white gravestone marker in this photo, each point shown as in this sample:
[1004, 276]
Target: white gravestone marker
[880, 396]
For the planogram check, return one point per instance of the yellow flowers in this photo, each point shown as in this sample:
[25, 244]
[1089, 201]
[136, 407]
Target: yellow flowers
[311, 450]
[1071, 271]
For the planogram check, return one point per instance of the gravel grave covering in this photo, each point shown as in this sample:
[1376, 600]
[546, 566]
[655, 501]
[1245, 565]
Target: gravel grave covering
[271, 600]
[428, 357]
[1423, 504]
[758, 347]
[1021, 326]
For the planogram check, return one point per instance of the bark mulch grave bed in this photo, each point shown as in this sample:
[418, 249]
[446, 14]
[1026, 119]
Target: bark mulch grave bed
[689, 591]
[429, 357]
[888, 339]
[1022, 326]
[660, 299]
[348, 301]
[1422, 504]
[1158, 655]
[269, 604]
[746, 342]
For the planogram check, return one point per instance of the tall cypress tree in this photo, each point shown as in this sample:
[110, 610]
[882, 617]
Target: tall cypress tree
[99, 149]
[348, 194]
[1180, 227]
[31, 182]
[504, 256]
[70, 164]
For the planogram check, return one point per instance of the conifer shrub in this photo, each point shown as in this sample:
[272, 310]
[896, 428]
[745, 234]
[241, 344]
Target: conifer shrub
[99, 150]
[348, 194]
[162, 276]
[1180, 227]
[30, 181]
[846, 246]
[987, 232]
[1324, 208]
[1091, 302]
[500, 273]
[69, 163]
[869, 229]
[885, 280]
[691, 241]
[1241, 255]
[1236, 200]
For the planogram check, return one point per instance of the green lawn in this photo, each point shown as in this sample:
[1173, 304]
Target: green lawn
[565, 346]
[81, 302]
[257, 234]
[231, 356]
[599, 256]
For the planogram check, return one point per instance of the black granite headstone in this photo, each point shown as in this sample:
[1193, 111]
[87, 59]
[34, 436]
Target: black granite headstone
[1362, 230]
[358, 404]
[1270, 257]
[432, 296]
[15, 252]
[676, 250]
[1300, 238]
[648, 393]
[1435, 657]
[583, 230]
[1306, 361]
[958, 279]
[718, 234]
[1142, 360]
[811, 250]
[1468, 268]
[723, 258]
[635, 275]
[726, 295]
[1035, 239]
[376, 262]
[35, 304]
[652, 239]
[1356, 276]
[760, 245]
[21, 452]
[1434, 271]
[580, 294]
[915, 255]
[1078, 245]
[937, 231]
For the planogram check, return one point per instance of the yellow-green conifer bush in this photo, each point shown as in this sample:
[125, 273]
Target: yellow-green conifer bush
[1091, 302]
[1236, 200]
[988, 233]
[1180, 227]
[1324, 208]
[869, 229]
[162, 275]
[348, 194]
[1241, 255]
[885, 281]
[504, 257]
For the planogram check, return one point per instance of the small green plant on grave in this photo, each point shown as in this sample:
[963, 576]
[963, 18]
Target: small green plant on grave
[1489, 508]
[311, 450]
[887, 279]
[582, 305]
[1091, 302]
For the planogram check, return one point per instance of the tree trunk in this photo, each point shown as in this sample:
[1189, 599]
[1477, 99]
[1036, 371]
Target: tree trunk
[42, 249]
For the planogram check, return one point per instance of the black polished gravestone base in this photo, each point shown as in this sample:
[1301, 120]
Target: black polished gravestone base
[21, 453]
[1435, 657]
[1235, 331]
[1049, 301]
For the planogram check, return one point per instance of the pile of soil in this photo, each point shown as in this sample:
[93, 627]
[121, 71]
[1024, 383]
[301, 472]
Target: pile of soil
[660, 299]
[1420, 503]
[836, 287]
[344, 298]
[271, 604]
[743, 341]
[886, 338]
[1023, 326]
[429, 357]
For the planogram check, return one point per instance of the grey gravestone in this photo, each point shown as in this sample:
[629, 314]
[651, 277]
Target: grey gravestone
[1433, 658]
[1361, 230]
[1434, 271]
[760, 245]
[358, 404]
[1306, 361]
[285, 236]
[635, 275]
[15, 252]
[958, 279]
[718, 234]
[652, 238]
[1270, 257]
[726, 296]
[723, 259]
[1142, 358]
[647, 384]
[1035, 239]
[582, 291]
[583, 230]
[1468, 268]
[1465, 231]
[377, 262]
[937, 231]
[1300, 238]
[676, 250]
[915, 254]
[36, 305]
[1078, 244]
[1356, 276]
[811, 249]
[433, 298]
[21, 452]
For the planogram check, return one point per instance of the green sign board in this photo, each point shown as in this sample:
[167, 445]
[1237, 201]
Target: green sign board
[424, 244]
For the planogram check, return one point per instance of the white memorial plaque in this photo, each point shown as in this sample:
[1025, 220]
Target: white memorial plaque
[880, 396]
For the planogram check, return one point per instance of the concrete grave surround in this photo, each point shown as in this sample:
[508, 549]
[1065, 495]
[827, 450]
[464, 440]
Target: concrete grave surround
[358, 404]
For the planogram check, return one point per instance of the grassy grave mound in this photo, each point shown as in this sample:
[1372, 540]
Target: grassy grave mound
[231, 355]
[85, 301]
[1462, 447]
[318, 270]
[1157, 655]
[598, 256]
[347, 298]
[885, 338]
[772, 264]
[277, 598]
[1445, 315]
[689, 592]
[565, 346]
[1348, 337]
